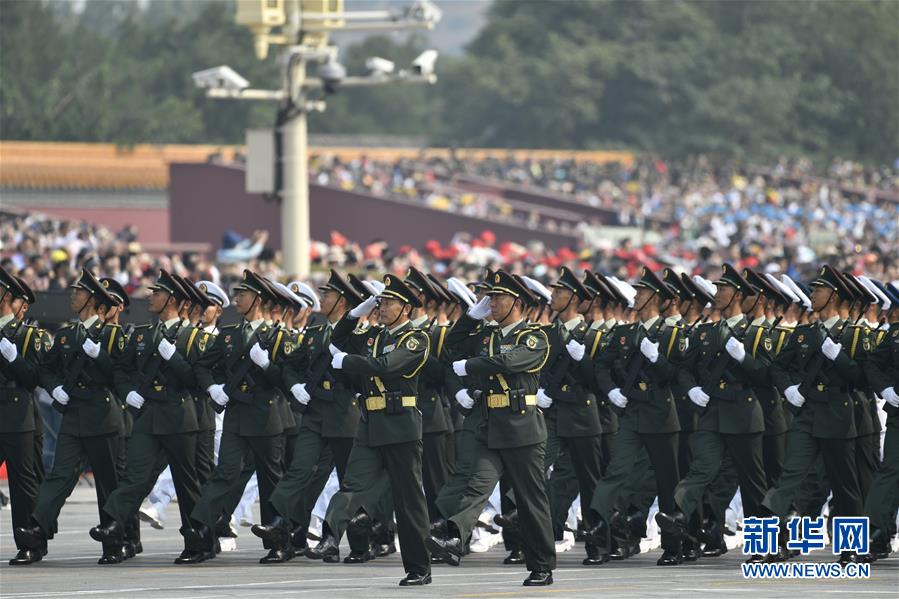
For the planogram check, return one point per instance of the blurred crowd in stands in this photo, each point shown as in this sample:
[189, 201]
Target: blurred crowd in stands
[787, 218]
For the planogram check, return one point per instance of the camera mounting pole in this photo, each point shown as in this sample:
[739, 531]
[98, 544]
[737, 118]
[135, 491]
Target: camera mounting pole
[303, 27]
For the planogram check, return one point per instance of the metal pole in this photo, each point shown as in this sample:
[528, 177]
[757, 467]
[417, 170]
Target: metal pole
[295, 195]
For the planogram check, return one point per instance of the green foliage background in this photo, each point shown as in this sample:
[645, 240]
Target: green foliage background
[730, 78]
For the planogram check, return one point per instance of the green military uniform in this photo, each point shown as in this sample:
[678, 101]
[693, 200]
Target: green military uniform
[512, 438]
[329, 422]
[388, 440]
[252, 423]
[733, 421]
[19, 423]
[882, 371]
[825, 424]
[165, 426]
[867, 423]
[92, 421]
[649, 421]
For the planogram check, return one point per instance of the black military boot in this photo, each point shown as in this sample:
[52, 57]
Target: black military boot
[25, 557]
[449, 550]
[111, 533]
[277, 532]
[328, 549]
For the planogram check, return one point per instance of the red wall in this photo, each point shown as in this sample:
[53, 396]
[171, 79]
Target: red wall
[206, 199]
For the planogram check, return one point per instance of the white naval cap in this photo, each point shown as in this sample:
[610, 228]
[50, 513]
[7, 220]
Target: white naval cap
[307, 293]
[215, 293]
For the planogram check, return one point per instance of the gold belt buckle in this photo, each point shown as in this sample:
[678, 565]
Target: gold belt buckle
[375, 403]
[497, 400]
[326, 385]
[409, 401]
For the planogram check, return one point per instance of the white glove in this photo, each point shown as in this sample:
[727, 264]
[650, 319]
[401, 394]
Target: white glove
[134, 400]
[42, 396]
[890, 396]
[575, 350]
[543, 400]
[259, 356]
[333, 349]
[686, 343]
[480, 310]
[464, 399]
[218, 395]
[9, 350]
[91, 348]
[300, 393]
[698, 396]
[365, 308]
[735, 349]
[460, 290]
[650, 350]
[459, 368]
[337, 360]
[60, 395]
[618, 398]
[831, 349]
[794, 396]
[166, 349]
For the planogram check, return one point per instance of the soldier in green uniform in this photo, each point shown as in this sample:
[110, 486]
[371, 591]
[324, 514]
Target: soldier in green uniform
[248, 358]
[568, 381]
[814, 372]
[156, 378]
[330, 416]
[435, 459]
[636, 376]
[725, 371]
[882, 372]
[22, 347]
[389, 358]
[217, 301]
[511, 439]
[79, 370]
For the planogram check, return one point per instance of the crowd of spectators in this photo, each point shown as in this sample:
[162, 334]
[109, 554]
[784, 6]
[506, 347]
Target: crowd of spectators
[692, 216]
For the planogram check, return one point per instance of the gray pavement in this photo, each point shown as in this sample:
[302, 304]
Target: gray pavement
[70, 570]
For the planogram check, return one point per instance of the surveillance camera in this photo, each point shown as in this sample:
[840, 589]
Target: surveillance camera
[424, 63]
[331, 74]
[379, 65]
[222, 77]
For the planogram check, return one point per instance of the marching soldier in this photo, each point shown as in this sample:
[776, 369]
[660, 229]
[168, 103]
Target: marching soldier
[813, 372]
[79, 370]
[330, 416]
[512, 440]
[389, 359]
[568, 382]
[882, 372]
[637, 377]
[732, 420]
[156, 378]
[247, 357]
[22, 347]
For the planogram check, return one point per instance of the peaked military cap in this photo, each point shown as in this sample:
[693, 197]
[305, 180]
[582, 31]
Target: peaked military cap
[115, 289]
[354, 291]
[650, 280]
[418, 281]
[395, 288]
[699, 295]
[28, 294]
[440, 288]
[760, 284]
[530, 298]
[676, 284]
[11, 284]
[828, 277]
[253, 283]
[504, 283]
[732, 278]
[191, 293]
[859, 290]
[567, 280]
[215, 293]
[168, 283]
[88, 282]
